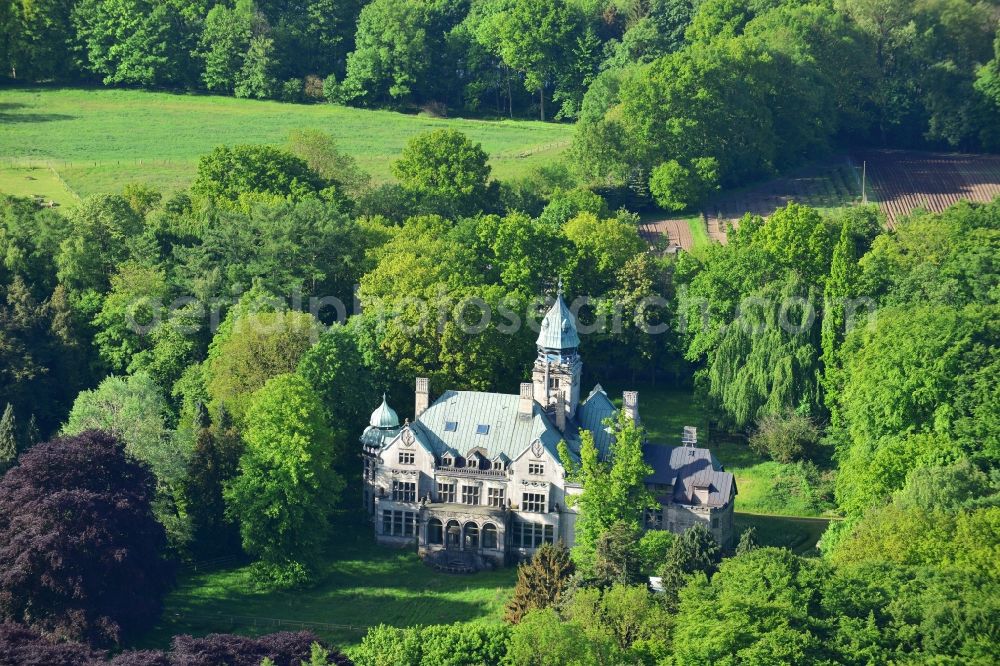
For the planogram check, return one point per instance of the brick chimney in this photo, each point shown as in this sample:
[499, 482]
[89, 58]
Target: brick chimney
[423, 400]
[560, 411]
[630, 404]
[524, 405]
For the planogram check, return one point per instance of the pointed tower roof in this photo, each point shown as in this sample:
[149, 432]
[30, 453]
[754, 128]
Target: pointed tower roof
[385, 416]
[558, 329]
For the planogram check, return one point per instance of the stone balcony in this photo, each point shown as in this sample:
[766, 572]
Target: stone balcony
[472, 472]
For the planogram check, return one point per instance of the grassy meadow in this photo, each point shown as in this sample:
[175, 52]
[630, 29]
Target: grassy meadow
[98, 140]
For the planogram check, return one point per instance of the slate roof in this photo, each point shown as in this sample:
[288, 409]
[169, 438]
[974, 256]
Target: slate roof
[590, 416]
[558, 328]
[688, 467]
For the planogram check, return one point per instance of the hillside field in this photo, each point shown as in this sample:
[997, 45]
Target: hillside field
[98, 140]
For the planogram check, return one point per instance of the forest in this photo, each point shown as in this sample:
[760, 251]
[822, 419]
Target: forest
[184, 374]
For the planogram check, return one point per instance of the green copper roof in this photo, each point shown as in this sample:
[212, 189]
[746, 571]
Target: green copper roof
[558, 329]
[506, 431]
[385, 416]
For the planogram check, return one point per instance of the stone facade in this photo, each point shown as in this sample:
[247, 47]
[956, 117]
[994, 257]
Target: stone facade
[475, 481]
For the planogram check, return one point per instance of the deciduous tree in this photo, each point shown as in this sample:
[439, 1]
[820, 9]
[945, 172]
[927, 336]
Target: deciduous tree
[286, 486]
[81, 555]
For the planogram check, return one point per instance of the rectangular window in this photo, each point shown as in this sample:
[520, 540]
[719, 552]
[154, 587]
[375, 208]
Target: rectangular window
[533, 502]
[532, 535]
[715, 523]
[496, 496]
[470, 494]
[553, 382]
[482, 429]
[409, 523]
[450, 426]
[404, 491]
[397, 523]
[406, 457]
[536, 468]
[446, 492]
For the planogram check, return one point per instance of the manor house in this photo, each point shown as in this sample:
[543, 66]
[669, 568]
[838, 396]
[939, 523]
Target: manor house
[475, 480]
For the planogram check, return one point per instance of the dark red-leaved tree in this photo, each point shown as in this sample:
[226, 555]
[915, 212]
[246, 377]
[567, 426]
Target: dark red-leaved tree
[284, 649]
[81, 555]
[21, 646]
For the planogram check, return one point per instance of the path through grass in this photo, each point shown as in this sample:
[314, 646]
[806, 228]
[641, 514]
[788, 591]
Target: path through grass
[99, 139]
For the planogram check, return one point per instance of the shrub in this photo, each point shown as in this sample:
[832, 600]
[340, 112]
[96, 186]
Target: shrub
[676, 187]
[313, 88]
[292, 90]
[785, 437]
[332, 91]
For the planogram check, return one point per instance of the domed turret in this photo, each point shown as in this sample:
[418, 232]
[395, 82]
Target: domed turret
[558, 329]
[384, 417]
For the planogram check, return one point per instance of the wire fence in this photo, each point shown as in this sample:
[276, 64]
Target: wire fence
[51, 163]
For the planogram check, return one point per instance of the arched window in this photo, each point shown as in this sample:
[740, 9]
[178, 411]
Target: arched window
[454, 534]
[490, 536]
[435, 532]
[471, 536]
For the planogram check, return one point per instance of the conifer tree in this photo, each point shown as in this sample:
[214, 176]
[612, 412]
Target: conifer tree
[8, 439]
[696, 550]
[748, 541]
[32, 435]
[540, 582]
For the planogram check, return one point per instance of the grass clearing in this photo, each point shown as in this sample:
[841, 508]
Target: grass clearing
[365, 586]
[800, 535]
[699, 233]
[100, 140]
[36, 182]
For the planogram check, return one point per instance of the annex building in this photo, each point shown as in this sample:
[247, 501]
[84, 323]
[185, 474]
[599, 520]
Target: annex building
[475, 480]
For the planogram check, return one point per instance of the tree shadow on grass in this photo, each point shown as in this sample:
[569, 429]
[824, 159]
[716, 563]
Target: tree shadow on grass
[20, 117]
[362, 585]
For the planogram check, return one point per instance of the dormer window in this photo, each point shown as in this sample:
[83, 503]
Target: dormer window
[482, 429]
[473, 462]
[497, 465]
[447, 461]
[450, 426]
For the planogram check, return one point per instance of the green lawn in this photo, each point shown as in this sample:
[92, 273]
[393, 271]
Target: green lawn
[365, 586]
[99, 140]
[35, 182]
[800, 535]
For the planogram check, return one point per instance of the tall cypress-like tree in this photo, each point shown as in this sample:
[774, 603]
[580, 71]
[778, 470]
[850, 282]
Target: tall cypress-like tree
[840, 286]
[8, 439]
[696, 550]
[540, 582]
[208, 470]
